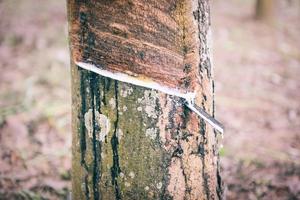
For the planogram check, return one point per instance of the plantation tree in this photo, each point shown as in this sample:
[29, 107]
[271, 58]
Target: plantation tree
[265, 10]
[134, 142]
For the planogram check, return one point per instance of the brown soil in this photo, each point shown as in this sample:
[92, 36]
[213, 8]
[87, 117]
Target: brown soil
[257, 70]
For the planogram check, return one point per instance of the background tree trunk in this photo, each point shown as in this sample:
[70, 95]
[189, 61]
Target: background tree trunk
[265, 10]
[131, 142]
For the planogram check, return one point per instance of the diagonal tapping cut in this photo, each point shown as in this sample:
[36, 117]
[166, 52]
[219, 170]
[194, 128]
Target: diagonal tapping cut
[189, 97]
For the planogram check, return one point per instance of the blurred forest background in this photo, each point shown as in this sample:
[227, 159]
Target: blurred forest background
[257, 73]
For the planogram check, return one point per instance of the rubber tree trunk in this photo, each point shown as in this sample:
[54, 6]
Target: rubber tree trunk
[131, 142]
[265, 10]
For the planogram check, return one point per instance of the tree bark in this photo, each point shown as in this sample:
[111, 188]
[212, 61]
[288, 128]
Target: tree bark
[131, 142]
[265, 10]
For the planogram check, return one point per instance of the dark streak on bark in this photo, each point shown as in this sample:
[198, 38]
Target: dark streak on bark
[106, 82]
[83, 144]
[83, 110]
[86, 184]
[104, 92]
[96, 145]
[115, 169]
[87, 37]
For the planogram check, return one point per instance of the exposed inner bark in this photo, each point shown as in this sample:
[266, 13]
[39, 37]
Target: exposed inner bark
[148, 39]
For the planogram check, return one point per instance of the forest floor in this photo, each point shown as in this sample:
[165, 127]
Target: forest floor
[257, 73]
[257, 70]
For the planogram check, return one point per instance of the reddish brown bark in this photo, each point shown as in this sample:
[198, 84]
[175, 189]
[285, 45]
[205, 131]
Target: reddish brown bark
[153, 39]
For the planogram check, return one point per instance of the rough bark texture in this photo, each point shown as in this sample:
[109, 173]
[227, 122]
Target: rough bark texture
[148, 39]
[265, 10]
[131, 142]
